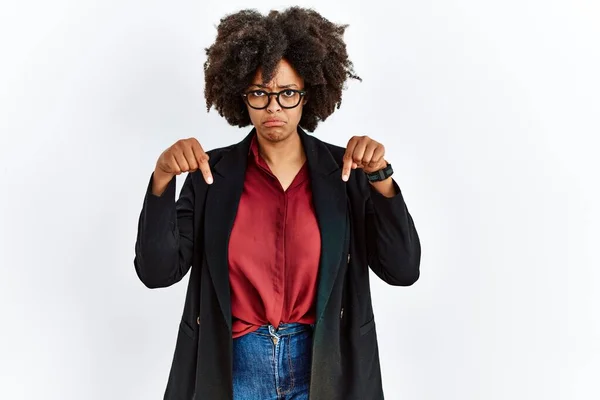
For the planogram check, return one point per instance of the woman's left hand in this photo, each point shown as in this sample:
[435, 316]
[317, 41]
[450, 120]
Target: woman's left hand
[363, 152]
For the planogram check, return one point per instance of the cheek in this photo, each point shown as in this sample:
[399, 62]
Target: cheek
[296, 114]
[254, 115]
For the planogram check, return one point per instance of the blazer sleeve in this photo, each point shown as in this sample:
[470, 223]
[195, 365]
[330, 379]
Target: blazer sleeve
[165, 236]
[393, 245]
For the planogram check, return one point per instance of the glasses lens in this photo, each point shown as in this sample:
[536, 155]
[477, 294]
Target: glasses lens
[257, 99]
[289, 98]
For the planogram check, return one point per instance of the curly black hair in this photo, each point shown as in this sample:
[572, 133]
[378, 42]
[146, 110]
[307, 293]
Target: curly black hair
[247, 40]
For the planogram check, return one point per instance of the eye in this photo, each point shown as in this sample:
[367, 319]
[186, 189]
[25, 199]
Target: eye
[288, 93]
[258, 93]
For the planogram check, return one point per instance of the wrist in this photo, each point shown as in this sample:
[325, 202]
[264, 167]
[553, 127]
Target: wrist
[380, 174]
[161, 175]
[160, 181]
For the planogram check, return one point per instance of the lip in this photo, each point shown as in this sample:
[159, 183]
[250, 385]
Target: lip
[273, 122]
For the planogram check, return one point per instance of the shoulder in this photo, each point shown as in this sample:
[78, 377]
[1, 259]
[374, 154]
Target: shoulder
[215, 155]
[337, 152]
[358, 181]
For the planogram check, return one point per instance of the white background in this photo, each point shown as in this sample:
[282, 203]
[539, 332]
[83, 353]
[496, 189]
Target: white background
[489, 112]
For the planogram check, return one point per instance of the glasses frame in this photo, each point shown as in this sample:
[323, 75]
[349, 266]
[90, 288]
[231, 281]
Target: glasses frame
[276, 94]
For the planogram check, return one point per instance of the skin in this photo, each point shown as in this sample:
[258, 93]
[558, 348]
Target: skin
[280, 146]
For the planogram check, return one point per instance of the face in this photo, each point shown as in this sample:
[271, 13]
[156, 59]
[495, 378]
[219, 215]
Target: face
[275, 123]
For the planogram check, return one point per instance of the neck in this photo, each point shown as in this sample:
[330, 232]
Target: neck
[282, 152]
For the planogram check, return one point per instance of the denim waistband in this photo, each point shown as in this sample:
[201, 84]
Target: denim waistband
[284, 329]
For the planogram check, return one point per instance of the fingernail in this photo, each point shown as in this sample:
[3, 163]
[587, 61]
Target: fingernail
[345, 178]
[209, 180]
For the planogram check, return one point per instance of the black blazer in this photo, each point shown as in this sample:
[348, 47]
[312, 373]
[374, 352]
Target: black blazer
[360, 228]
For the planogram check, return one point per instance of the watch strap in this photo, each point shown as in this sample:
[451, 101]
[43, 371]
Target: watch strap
[380, 175]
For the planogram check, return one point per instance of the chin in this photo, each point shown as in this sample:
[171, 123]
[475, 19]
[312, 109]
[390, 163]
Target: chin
[275, 134]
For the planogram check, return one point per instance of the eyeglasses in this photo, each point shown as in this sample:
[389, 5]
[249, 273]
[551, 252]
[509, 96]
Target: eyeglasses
[260, 99]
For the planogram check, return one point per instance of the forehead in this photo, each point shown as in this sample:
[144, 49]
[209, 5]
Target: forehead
[284, 75]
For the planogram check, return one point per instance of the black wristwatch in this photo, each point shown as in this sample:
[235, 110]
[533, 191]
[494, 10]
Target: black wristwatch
[380, 175]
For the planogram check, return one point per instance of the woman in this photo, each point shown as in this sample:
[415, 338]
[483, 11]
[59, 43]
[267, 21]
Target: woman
[280, 229]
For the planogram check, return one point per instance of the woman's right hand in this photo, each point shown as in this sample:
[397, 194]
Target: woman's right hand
[185, 155]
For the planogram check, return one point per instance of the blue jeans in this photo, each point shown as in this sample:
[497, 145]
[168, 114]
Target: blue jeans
[273, 364]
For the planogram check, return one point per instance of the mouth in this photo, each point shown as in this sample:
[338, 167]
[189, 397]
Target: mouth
[273, 122]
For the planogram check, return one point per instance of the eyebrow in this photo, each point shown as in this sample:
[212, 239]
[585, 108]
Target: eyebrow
[281, 87]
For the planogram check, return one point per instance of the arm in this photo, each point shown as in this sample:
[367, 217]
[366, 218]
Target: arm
[393, 246]
[165, 237]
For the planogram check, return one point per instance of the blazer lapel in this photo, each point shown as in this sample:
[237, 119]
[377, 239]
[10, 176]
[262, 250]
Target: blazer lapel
[329, 199]
[222, 200]
[223, 197]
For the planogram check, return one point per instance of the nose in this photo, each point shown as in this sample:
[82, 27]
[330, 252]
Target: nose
[273, 105]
